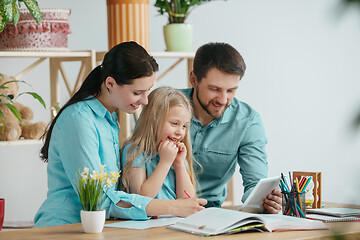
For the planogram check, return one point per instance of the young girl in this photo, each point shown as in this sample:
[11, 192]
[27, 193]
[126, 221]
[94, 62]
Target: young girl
[157, 159]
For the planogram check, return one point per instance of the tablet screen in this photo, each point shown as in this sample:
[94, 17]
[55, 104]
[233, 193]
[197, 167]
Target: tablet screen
[264, 187]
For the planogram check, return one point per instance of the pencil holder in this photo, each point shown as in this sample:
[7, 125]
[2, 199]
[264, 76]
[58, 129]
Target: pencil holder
[293, 204]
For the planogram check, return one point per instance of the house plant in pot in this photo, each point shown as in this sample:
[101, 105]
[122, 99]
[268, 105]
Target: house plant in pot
[92, 189]
[177, 33]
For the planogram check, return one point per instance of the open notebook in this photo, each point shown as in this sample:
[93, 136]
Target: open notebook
[216, 221]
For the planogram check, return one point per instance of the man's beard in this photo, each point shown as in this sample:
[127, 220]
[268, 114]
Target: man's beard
[207, 109]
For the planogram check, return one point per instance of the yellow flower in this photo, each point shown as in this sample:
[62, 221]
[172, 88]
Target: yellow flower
[89, 193]
[86, 171]
[102, 177]
[84, 177]
[108, 182]
[94, 175]
[114, 175]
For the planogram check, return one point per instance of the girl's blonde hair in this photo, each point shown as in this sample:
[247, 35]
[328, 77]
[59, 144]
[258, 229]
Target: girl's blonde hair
[147, 132]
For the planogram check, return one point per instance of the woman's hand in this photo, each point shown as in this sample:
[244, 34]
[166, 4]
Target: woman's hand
[167, 151]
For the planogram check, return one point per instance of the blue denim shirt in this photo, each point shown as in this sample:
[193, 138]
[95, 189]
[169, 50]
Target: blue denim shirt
[237, 137]
[85, 135]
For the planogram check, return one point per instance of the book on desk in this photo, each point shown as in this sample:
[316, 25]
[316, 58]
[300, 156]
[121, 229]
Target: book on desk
[218, 221]
[336, 212]
[326, 218]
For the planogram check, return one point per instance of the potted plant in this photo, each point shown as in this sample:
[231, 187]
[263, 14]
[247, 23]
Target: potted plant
[9, 11]
[178, 34]
[90, 188]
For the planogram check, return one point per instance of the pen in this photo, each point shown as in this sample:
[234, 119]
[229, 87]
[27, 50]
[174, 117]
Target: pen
[297, 186]
[187, 194]
[306, 184]
[302, 181]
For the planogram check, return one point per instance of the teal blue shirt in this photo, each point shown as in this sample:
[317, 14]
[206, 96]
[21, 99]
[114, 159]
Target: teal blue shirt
[167, 190]
[85, 135]
[237, 137]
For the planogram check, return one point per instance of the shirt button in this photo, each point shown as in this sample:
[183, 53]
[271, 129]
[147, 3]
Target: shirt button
[139, 206]
[115, 145]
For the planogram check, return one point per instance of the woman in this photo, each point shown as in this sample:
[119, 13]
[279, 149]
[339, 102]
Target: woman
[85, 134]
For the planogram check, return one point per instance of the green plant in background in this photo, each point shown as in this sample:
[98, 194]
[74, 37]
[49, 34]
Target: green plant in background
[178, 10]
[351, 1]
[9, 11]
[8, 101]
[90, 187]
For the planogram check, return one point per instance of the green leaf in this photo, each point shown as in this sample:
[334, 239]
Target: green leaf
[3, 21]
[8, 1]
[15, 112]
[36, 96]
[18, 81]
[8, 12]
[34, 9]
[178, 10]
[3, 122]
[16, 13]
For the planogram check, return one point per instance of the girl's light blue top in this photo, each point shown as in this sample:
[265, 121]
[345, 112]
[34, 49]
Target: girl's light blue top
[85, 135]
[167, 190]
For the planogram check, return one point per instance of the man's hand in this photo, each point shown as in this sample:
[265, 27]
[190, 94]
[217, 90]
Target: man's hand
[273, 202]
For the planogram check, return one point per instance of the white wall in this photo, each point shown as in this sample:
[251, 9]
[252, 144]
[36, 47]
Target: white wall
[302, 77]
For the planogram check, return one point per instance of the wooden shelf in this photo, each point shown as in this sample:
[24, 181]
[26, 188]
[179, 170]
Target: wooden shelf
[46, 54]
[172, 54]
[20, 142]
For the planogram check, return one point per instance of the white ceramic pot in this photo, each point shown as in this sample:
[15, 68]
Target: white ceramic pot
[92, 221]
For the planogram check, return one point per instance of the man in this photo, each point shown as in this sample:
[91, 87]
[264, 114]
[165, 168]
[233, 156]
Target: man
[225, 131]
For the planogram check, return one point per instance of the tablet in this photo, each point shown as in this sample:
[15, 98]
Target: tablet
[264, 187]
